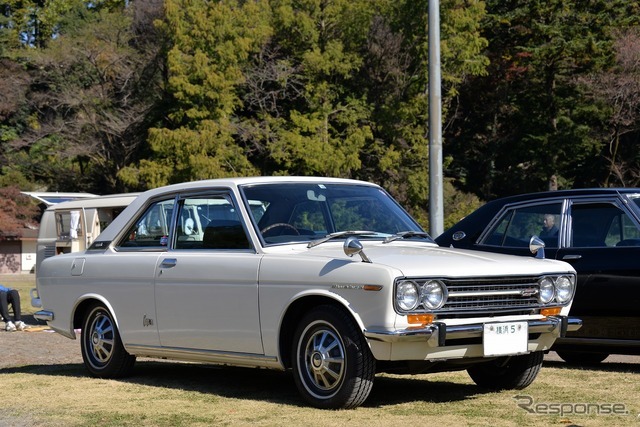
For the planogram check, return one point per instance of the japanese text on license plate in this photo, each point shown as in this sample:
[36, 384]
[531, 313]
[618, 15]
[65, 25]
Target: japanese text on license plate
[500, 339]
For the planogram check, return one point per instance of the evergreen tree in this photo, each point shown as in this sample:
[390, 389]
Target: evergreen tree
[210, 45]
[527, 123]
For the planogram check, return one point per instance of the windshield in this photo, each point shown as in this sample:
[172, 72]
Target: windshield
[301, 212]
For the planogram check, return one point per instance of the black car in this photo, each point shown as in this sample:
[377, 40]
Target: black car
[595, 230]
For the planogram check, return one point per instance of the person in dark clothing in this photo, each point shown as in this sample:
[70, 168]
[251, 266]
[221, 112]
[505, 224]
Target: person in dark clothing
[549, 228]
[10, 296]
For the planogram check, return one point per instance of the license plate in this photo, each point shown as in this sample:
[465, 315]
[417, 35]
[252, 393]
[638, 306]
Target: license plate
[501, 339]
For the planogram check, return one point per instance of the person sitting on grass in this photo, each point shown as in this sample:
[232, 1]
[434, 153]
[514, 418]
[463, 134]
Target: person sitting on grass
[10, 296]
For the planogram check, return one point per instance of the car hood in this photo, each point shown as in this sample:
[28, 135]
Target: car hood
[419, 259]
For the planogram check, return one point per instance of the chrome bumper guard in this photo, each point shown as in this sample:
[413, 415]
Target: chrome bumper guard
[438, 332]
[44, 315]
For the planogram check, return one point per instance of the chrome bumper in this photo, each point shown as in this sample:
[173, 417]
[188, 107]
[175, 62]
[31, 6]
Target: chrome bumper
[44, 315]
[437, 333]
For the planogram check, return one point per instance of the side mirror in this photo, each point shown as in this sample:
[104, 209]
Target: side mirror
[536, 246]
[352, 246]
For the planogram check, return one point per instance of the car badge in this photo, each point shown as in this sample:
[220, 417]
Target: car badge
[459, 235]
[528, 292]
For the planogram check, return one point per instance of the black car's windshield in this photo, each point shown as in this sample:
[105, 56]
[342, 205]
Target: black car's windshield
[301, 212]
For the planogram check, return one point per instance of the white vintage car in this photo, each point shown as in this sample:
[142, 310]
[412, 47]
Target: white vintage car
[329, 278]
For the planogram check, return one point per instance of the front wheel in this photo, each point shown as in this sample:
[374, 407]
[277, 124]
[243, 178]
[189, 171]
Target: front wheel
[103, 354]
[333, 367]
[514, 372]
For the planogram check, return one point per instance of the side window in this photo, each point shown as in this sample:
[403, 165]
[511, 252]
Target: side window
[68, 225]
[152, 229]
[602, 225]
[209, 223]
[516, 226]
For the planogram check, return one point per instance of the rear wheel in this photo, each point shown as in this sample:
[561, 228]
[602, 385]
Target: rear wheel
[332, 365]
[579, 358]
[103, 354]
[514, 372]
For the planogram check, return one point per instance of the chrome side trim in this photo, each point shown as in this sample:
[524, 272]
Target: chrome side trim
[437, 333]
[44, 315]
[208, 356]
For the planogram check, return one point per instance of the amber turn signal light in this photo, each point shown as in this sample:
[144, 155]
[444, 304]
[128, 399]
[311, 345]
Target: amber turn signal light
[551, 311]
[420, 319]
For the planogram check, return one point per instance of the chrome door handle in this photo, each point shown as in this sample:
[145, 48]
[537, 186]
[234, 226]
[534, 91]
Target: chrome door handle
[570, 257]
[169, 262]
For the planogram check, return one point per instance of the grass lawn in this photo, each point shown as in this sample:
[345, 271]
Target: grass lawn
[167, 394]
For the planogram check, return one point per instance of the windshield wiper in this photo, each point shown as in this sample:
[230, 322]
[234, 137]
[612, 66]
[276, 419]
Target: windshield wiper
[405, 235]
[339, 234]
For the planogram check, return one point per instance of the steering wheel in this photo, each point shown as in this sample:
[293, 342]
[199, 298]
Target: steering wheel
[279, 224]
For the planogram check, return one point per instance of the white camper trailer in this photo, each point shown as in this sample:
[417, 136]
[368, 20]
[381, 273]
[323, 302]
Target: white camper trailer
[72, 226]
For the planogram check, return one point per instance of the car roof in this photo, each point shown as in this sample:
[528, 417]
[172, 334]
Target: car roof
[568, 193]
[232, 183]
[235, 182]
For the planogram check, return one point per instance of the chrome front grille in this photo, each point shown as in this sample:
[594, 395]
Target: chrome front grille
[495, 295]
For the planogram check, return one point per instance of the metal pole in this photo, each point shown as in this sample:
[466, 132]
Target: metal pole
[436, 204]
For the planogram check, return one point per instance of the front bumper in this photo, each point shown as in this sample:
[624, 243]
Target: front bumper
[437, 333]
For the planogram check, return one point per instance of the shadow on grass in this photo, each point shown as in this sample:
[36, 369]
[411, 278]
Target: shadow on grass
[260, 384]
[621, 367]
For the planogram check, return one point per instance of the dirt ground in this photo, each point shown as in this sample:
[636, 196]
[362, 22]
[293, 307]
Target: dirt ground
[37, 345]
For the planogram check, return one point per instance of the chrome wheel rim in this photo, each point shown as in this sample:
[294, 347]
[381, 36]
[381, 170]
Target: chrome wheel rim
[324, 362]
[101, 338]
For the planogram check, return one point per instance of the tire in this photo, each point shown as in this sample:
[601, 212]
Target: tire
[103, 354]
[510, 373]
[578, 358]
[333, 367]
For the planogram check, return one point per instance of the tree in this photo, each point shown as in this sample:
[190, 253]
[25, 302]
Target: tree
[310, 87]
[527, 120]
[32, 23]
[210, 43]
[17, 212]
[90, 97]
[618, 89]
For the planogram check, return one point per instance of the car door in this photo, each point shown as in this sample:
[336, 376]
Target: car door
[603, 246]
[206, 286]
[128, 274]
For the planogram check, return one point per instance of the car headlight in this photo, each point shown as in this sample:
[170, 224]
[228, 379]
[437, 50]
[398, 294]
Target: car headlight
[407, 295]
[547, 290]
[432, 295]
[564, 289]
